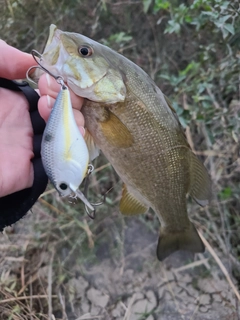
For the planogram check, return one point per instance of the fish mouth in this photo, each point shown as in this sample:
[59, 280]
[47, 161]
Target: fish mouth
[52, 30]
[50, 55]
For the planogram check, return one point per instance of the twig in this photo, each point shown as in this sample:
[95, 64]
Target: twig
[47, 192]
[216, 104]
[44, 296]
[129, 309]
[89, 234]
[220, 264]
[63, 305]
[49, 290]
[191, 265]
[88, 316]
[102, 167]
[51, 207]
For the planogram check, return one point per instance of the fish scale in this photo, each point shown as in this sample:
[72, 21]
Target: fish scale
[128, 117]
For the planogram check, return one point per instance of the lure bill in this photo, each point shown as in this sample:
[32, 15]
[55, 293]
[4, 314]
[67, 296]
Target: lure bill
[64, 152]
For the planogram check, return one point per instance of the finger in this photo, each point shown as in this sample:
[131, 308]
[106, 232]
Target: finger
[45, 105]
[14, 63]
[48, 86]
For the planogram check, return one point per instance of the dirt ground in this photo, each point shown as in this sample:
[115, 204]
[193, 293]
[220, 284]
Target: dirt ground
[135, 286]
[165, 291]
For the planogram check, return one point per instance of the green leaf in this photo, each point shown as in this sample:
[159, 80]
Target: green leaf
[191, 68]
[188, 19]
[225, 193]
[229, 27]
[161, 4]
[120, 37]
[173, 27]
[146, 5]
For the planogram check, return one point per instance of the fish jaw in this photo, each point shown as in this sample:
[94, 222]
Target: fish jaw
[90, 77]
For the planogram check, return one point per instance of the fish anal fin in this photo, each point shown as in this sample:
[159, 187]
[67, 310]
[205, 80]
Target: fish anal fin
[188, 240]
[129, 205]
[200, 185]
[116, 133]
[92, 148]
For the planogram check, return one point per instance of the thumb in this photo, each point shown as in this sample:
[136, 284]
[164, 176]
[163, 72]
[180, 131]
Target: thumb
[49, 89]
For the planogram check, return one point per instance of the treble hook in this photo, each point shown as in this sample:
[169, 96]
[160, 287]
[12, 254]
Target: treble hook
[38, 55]
[28, 71]
[85, 192]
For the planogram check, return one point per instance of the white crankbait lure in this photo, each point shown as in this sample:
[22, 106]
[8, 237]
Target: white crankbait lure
[64, 152]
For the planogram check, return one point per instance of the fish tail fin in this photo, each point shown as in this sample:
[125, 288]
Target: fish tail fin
[170, 242]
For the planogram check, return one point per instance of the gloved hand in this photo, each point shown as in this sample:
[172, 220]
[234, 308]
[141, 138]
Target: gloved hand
[20, 162]
[14, 206]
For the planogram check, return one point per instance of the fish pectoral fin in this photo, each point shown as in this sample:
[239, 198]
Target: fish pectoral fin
[116, 133]
[200, 182]
[170, 242]
[129, 205]
[92, 148]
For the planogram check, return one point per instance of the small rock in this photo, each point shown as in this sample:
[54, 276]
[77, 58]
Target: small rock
[206, 285]
[203, 309]
[118, 312]
[161, 292]
[85, 305]
[217, 297]
[97, 298]
[95, 311]
[177, 289]
[77, 286]
[168, 296]
[128, 276]
[143, 304]
[185, 278]
[205, 299]
[150, 317]
[152, 301]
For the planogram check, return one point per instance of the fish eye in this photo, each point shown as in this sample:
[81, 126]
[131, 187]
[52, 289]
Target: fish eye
[63, 186]
[85, 51]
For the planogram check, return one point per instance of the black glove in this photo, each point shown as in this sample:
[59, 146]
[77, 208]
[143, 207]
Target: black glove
[14, 206]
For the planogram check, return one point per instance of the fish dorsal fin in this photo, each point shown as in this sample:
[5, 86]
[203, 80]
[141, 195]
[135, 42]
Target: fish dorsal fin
[169, 104]
[116, 133]
[129, 205]
[181, 131]
[200, 183]
[92, 148]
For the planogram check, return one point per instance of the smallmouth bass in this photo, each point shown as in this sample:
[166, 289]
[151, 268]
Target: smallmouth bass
[132, 122]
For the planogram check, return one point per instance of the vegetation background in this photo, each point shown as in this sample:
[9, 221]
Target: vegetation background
[57, 263]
